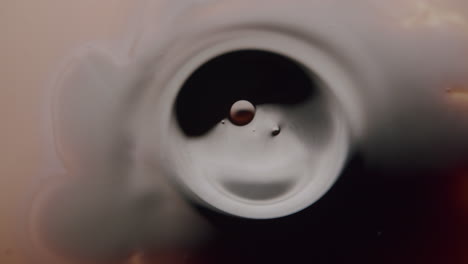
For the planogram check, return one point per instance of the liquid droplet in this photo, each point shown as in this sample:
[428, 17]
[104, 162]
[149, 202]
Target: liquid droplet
[242, 113]
[223, 122]
[276, 131]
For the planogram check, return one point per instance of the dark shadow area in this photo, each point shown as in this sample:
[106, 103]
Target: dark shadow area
[364, 218]
[259, 77]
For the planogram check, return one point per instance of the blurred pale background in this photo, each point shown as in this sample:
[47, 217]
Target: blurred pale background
[35, 37]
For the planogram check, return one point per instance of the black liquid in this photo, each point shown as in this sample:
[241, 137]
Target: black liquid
[257, 76]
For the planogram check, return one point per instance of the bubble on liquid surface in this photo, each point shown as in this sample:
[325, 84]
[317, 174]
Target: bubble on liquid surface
[276, 131]
[242, 113]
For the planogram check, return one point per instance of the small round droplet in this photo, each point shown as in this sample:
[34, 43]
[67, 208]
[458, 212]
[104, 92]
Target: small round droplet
[223, 122]
[242, 112]
[276, 131]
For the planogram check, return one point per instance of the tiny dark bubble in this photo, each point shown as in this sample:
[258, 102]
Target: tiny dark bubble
[276, 131]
